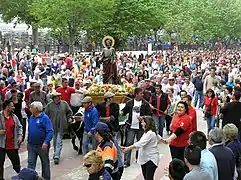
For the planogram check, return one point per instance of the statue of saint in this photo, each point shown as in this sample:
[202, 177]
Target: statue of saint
[109, 61]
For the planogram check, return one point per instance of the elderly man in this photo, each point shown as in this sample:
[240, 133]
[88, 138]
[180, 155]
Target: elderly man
[224, 156]
[91, 118]
[40, 133]
[60, 114]
[38, 95]
[11, 135]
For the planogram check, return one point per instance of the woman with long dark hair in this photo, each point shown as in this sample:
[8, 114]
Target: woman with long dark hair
[148, 151]
[211, 109]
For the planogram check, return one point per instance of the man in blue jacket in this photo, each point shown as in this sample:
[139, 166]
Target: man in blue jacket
[91, 118]
[40, 133]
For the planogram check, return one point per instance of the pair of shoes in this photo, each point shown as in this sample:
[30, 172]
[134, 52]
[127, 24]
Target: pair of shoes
[126, 165]
[56, 161]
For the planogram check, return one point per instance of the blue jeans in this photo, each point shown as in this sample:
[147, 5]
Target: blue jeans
[131, 134]
[33, 152]
[58, 144]
[160, 124]
[88, 139]
[211, 123]
[198, 96]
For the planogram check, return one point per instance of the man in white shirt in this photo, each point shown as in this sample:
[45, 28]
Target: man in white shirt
[76, 98]
[135, 108]
[188, 86]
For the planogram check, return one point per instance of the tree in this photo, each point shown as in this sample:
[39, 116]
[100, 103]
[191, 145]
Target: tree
[11, 9]
[69, 17]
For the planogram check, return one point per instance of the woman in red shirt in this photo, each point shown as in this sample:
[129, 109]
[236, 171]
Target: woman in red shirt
[181, 126]
[211, 109]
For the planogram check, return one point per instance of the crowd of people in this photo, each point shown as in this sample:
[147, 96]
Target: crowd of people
[42, 92]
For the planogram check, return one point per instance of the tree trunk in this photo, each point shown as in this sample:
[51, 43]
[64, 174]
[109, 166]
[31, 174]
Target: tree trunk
[71, 37]
[35, 35]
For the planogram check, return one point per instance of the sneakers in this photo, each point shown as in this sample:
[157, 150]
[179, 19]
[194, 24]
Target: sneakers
[56, 161]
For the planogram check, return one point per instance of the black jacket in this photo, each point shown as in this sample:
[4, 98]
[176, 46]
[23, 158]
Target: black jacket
[145, 110]
[232, 114]
[114, 113]
[163, 102]
[225, 161]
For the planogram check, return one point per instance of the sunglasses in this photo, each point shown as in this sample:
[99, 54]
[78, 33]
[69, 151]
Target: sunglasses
[88, 165]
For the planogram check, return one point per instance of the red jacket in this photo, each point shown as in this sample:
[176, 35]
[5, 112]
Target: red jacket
[185, 123]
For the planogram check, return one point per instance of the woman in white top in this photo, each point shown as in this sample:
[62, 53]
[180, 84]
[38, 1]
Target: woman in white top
[148, 151]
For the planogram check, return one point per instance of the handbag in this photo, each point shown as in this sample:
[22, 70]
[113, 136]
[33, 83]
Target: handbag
[208, 111]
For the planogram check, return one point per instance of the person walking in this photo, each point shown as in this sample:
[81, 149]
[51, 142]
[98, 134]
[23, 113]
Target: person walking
[91, 118]
[181, 127]
[135, 108]
[148, 151]
[211, 109]
[38, 95]
[40, 134]
[107, 149]
[159, 103]
[60, 114]
[11, 135]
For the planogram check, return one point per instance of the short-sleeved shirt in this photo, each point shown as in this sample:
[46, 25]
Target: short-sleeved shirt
[185, 123]
[65, 93]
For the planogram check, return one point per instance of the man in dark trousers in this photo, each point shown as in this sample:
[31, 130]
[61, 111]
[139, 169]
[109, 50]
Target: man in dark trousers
[232, 111]
[11, 135]
[159, 103]
[136, 108]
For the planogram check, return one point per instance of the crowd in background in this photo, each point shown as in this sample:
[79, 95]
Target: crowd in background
[170, 87]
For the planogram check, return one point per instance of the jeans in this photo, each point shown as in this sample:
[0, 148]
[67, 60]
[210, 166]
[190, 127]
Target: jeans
[88, 139]
[160, 124]
[33, 152]
[211, 122]
[198, 96]
[148, 170]
[14, 158]
[131, 134]
[58, 144]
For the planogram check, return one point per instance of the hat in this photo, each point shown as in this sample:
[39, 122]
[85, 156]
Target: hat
[37, 84]
[87, 99]
[109, 95]
[56, 94]
[101, 127]
[26, 174]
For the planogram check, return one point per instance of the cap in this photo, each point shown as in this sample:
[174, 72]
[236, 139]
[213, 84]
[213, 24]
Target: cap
[101, 127]
[26, 174]
[109, 95]
[87, 99]
[56, 94]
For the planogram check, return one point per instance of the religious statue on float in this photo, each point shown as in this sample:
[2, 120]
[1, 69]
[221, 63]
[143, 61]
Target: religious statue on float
[109, 61]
